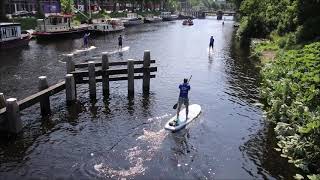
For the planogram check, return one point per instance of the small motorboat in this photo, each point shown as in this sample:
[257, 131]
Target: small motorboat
[188, 22]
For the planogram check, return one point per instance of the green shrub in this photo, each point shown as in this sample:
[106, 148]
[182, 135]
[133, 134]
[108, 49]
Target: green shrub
[26, 23]
[291, 92]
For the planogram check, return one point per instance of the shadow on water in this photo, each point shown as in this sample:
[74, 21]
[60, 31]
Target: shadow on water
[260, 150]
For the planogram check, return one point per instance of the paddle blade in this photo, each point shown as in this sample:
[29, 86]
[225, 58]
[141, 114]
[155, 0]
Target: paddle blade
[175, 106]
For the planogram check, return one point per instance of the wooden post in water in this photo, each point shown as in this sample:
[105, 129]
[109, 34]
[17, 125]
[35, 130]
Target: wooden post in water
[45, 101]
[146, 72]
[105, 75]
[13, 116]
[71, 96]
[2, 101]
[92, 79]
[70, 63]
[130, 78]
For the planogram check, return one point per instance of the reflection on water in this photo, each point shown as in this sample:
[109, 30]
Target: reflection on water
[117, 137]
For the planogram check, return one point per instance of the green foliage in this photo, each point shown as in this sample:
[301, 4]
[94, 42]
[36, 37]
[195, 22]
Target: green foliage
[210, 4]
[101, 14]
[314, 177]
[291, 92]
[26, 23]
[261, 17]
[118, 14]
[258, 47]
[67, 6]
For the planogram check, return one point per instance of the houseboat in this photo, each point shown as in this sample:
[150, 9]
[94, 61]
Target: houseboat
[167, 16]
[57, 25]
[132, 19]
[106, 25]
[11, 36]
[152, 19]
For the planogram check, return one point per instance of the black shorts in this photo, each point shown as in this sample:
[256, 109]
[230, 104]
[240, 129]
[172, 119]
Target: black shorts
[120, 44]
[211, 45]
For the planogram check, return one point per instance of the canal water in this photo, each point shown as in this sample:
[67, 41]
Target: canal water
[121, 138]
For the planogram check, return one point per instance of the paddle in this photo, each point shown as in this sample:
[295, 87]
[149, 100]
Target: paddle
[176, 105]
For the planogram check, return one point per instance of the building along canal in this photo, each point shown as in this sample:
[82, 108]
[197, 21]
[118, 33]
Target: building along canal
[121, 138]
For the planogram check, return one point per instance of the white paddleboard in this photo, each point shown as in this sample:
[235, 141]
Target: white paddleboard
[84, 50]
[126, 48]
[194, 111]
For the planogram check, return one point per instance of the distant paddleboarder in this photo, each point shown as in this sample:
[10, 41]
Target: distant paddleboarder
[211, 43]
[183, 98]
[86, 40]
[120, 42]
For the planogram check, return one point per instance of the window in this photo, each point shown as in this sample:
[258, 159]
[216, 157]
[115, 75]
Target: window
[16, 32]
[54, 21]
[4, 32]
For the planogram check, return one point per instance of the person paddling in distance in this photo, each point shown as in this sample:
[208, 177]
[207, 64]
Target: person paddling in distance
[183, 99]
[211, 43]
[86, 40]
[120, 42]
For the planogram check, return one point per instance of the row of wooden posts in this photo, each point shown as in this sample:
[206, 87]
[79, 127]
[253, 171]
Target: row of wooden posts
[10, 108]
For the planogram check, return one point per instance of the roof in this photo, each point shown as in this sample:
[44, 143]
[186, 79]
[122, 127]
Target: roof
[9, 24]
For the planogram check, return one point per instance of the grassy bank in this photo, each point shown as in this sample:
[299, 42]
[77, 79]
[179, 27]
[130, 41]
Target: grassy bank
[290, 90]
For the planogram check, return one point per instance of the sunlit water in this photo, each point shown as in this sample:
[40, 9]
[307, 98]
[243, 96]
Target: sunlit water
[121, 138]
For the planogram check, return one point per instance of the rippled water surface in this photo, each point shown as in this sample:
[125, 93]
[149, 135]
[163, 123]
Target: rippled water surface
[122, 138]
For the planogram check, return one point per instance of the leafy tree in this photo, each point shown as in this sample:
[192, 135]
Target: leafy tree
[67, 6]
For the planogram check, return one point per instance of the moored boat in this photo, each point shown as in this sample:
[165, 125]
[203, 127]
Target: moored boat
[57, 25]
[167, 16]
[174, 16]
[152, 19]
[132, 19]
[11, 36]
[106, 25]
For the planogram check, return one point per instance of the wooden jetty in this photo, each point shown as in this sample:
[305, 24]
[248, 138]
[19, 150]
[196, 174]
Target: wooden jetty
[83, 73]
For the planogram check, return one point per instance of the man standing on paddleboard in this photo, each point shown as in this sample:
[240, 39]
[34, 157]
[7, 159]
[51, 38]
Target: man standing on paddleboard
[86, 40]
[120, 42]
[211, 43]
[183, 98]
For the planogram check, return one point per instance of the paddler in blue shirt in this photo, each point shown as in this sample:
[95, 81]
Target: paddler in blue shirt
[86, 40]
[183, 98]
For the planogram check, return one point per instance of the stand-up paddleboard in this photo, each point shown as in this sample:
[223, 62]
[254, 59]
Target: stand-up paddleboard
[210, 51]
[78, 51]
[84, 50]
[194, 111]
[126, 48]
